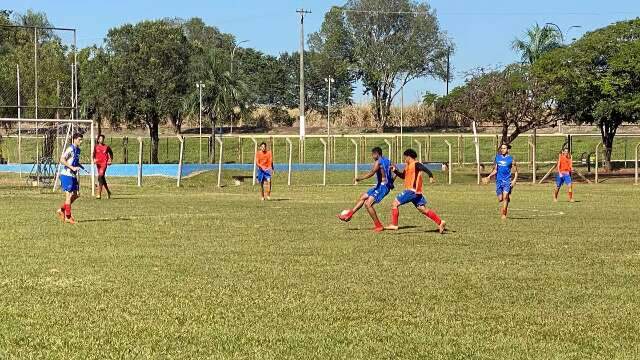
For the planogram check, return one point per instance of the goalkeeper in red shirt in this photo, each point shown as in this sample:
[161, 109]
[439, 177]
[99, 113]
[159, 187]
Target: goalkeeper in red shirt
[102, 155]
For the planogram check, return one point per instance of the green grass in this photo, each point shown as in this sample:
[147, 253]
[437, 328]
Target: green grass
[198, 272]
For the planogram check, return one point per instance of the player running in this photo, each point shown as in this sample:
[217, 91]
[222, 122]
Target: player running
[565, 167]
[264, 161]
[102, 156]
[412, 175]
[504, 165]
[382, 170]
[69, 178]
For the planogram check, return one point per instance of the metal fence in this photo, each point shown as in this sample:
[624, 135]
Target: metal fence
[335, 160]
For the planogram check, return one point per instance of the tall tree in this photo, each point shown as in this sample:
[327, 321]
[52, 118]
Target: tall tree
[537, 41]
[596, 80]
[148, 62]
[387, 43]
[508, 97]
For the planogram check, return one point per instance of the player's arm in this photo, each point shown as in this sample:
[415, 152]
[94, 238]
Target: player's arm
[110, 155]
[65, 160]
[423, 168]
[374, 170]
[398, 173]
[493, 172]
[515, 174]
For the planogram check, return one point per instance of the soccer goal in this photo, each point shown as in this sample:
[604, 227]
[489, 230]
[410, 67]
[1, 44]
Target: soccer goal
[30, 150]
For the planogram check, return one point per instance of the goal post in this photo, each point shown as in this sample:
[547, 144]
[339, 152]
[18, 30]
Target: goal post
[37, 126]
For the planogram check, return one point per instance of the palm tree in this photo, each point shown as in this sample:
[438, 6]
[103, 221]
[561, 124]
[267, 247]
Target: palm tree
[223, 97]
[537, 41]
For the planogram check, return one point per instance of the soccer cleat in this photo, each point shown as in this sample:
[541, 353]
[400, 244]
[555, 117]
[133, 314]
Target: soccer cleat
[262, 199]
[71, 220]
[108, 194]
[391, 227]
[98, 197]
[378, 229]
[441, 227]
[269, 197]
[555, 199]
[60, 214]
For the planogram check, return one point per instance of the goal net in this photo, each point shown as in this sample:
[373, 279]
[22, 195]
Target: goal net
[30, 151]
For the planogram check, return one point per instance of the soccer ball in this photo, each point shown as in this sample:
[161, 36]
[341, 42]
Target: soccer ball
[344, 213]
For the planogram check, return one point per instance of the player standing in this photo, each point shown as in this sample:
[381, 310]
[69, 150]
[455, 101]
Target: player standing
[412, 175]
[102, 156]
[565, 167]
[264, 162]
[382, 169]
[70, 159]
[503, 166]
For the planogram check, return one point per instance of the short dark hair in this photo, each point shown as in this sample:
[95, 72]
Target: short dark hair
[507, 145]
[100, 136]
[410, 153]
[263, 143]
[377, 150]
[77, 136]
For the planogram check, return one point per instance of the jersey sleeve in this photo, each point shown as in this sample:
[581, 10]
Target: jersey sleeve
[423, 168]
[67, 154]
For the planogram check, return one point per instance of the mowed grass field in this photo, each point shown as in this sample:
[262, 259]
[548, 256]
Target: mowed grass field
[199, 272]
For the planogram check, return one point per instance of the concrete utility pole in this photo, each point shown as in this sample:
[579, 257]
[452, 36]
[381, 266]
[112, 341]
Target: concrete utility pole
[448, 67]
[302, 13]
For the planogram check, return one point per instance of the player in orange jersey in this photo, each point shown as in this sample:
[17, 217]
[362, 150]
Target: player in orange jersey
[565, 167]
[264, 162]
[412, 175]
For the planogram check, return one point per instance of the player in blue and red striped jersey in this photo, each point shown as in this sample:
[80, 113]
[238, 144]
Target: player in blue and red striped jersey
[70, 160]
[382, 170]
[412, 175]
[504, 164]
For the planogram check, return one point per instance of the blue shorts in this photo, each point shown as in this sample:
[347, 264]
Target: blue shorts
[563, 179]
[412, 197]
[378, 192]
[503, 186]
[69, 183]
[263, 175]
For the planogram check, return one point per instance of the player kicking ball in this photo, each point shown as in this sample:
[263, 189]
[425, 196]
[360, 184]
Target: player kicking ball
[382, 170]
[264, 162]
[70, 159]
[504, 164]
[565, 167]
[102, 156]
[412, 175]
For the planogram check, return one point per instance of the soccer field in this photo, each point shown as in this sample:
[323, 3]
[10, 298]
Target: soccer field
[198, 272]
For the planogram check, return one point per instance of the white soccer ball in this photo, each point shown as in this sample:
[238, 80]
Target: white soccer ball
[344, 212]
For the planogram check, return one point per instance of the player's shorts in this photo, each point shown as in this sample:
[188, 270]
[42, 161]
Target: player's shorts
[503, 186]
[378, 192]
[263, 175]
[102, 169]
[69, 183]
[409, 196]
[563, 179]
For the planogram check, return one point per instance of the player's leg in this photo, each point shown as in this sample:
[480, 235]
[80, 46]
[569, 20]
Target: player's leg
[106, 186]
[359, 203]
[433, 216]
[268, 188]
[402, 198]
[556, 191]
[372, 212]
[570, 186]
[506, 196]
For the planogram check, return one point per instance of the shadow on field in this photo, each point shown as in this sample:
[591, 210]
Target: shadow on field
[105, 220]
[386, 231]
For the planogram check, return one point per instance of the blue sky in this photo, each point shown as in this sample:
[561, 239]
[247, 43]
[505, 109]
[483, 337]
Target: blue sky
[481, 30]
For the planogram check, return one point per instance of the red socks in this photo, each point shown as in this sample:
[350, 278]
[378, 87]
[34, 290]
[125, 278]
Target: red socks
[67, 211]
[433, 216]
[570, 195]
[378, 224]
[395, 213]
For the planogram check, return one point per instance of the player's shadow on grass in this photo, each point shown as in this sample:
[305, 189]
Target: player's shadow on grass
[272, 200]
[105, 220]
[386, 231]
[447, 231]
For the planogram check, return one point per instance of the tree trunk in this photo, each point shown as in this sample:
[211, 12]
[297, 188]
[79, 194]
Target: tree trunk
[176, 122]
[608, 132]
[155, 140]
[505, 134]
[377, 111]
